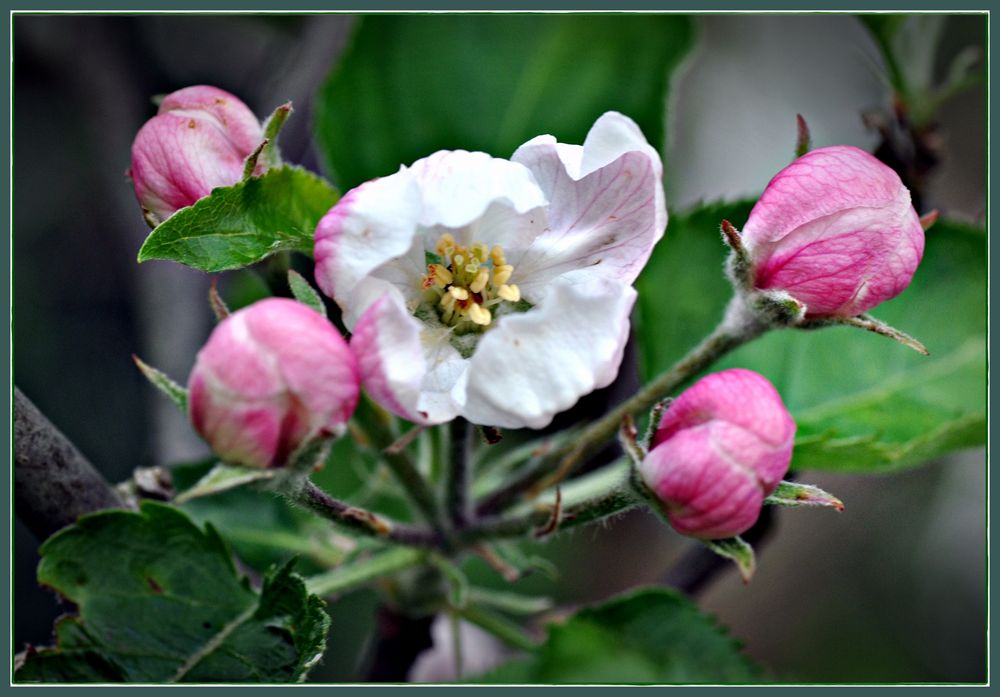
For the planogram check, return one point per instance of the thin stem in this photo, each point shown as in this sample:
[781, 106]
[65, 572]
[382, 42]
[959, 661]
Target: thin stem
[611, 502]
[364, 521]
[737, 328]
[377, 433]
[500, 627]
[352, 575]
[458, 481]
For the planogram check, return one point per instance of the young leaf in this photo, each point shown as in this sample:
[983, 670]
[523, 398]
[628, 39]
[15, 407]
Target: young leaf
[239, 225]
[177, 394]
[651, 635]
[223, 477]
[304, 292]
[861, 403]
[407, 84]
[159, 600]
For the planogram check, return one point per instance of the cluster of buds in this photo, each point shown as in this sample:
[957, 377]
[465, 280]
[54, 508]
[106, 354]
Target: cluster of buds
[833, 235]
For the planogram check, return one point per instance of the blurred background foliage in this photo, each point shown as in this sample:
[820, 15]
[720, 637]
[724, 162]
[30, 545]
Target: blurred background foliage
[891, 590]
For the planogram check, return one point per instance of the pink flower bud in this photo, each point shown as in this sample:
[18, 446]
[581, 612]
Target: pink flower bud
[198, 141]
[271, 377]
[721, 448]
[836, 230]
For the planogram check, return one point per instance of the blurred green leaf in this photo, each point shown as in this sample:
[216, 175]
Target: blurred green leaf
[862, 403]
[160, 601]
[304, 292]
[239, 225]
[410, 85]
[651, 635]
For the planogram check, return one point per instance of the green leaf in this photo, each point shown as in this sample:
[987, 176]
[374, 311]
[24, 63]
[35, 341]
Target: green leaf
[239, 225]
[410, 85]
[224, 477]
[651, 635]
[862, 402]
[304, 292]
[177, 394]
[159, 600]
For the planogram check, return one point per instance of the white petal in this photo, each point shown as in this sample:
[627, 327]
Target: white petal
[404, 366]
[606, 205]
[371, 225]
[457, 187]
[534, 365]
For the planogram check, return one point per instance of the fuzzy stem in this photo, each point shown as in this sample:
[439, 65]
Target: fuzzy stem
[608, 501]
[363, 521]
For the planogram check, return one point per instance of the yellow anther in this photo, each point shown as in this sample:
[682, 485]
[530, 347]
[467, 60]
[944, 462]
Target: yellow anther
[510, 293]
[482, 278]
[479, 314]
[445, 245]
[459, 293]
[480, 251]
[496, 254]
[501, 274]
[458, 260]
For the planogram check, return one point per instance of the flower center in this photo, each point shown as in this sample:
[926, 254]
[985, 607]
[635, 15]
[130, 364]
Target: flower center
[467, 283]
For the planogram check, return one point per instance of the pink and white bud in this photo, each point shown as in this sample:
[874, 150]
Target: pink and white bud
[722, 447]
[272, 376]
[836, 231]
[198, 141]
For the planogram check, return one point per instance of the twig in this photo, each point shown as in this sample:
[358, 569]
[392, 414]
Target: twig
[54, 484]
[364, 521]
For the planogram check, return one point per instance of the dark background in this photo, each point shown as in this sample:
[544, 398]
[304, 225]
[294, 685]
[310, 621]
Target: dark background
[822, 606]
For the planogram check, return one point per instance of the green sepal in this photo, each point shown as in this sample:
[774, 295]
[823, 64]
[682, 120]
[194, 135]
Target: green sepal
[738, 551]
[177, 394]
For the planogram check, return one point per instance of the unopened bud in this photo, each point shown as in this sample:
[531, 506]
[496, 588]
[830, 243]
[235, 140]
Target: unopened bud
[272, 377]
[198, 141]
[836, 230]
[723, 446]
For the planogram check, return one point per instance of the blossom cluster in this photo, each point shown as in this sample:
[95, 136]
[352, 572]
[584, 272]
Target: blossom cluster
[500, 290]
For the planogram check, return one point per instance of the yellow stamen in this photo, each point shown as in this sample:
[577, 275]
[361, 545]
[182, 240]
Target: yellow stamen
[510, 293]
[501, 274]
[459, 293]
[445, 245]
[482, 278]
[479, 315]
[480, 251]
[496, 254]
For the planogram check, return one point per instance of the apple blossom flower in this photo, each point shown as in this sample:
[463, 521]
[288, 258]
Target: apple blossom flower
[722, 446]
[836, 231]
[497, 290]
[272, 377]
[198, 141]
